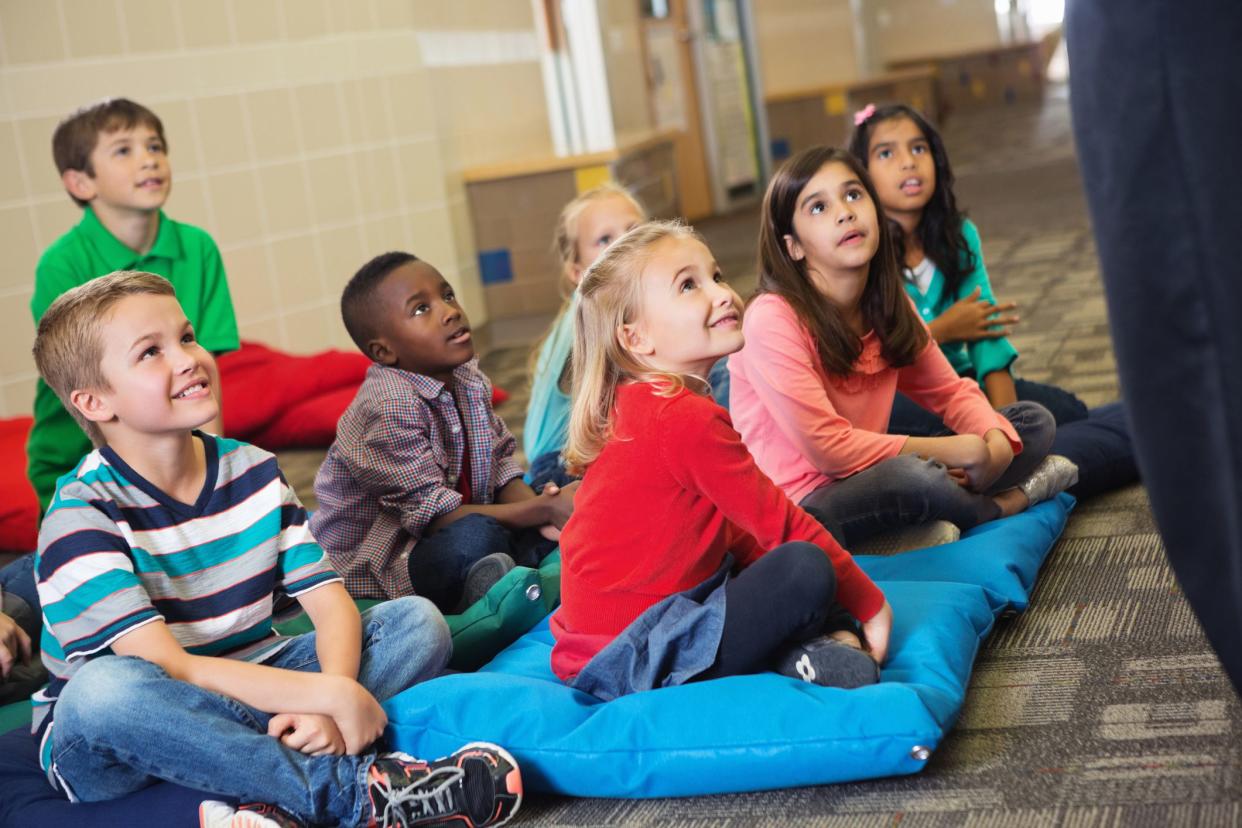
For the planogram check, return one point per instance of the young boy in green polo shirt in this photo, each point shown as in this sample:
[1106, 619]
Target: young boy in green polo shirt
[113, 160]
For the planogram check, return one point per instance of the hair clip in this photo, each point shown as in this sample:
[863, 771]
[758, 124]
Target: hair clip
[861, 116]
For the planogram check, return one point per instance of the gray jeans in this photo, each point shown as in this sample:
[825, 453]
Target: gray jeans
[908, 490]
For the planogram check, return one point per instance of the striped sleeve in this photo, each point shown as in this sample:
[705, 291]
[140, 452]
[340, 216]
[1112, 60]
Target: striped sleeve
[301, 564]
[90, 594]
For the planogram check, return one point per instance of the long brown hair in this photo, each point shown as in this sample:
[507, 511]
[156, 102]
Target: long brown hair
[885, 308]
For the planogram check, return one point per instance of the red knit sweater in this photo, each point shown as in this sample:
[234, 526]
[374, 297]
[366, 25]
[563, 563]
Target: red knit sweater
[670, 494]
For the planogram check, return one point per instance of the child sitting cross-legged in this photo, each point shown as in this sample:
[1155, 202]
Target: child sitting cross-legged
[419, 493]
[158, 564]
[682, 561]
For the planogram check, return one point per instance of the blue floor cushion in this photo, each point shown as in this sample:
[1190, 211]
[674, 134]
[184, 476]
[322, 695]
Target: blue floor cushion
[750, 732]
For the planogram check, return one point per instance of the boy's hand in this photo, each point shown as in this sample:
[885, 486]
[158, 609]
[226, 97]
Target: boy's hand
[311, 733]
[559, 503]
[973, 318]
[357, 715]
[876, 632]
[14, 645]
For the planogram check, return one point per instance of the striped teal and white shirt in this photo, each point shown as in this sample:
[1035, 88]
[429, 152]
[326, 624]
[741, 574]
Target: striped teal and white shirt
[115, 553]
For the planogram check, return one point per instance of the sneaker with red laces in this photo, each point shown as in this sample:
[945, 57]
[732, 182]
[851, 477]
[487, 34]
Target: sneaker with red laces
[479, 785]
[215, 814]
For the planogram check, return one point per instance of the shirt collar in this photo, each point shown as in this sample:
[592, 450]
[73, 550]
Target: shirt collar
[466, 376]
[114, 252]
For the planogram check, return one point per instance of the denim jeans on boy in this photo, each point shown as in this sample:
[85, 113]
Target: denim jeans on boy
[908, 489]
[122, 723]
[21, 603]
[438, 564]
[548, 468]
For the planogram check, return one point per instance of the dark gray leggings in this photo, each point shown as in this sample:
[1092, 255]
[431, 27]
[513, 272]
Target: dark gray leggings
[908, 489]
[787, 596]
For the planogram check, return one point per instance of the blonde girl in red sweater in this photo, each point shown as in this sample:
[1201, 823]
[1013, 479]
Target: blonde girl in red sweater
[682, 561]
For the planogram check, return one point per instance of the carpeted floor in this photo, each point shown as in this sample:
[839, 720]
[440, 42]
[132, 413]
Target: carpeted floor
[1102, 705]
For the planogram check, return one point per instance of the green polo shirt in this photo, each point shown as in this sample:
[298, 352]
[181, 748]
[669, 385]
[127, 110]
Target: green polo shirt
[182, 254]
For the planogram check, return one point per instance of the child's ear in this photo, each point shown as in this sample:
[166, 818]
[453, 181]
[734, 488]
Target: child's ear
[379, 351]
[92, 405]
[79, 185]
[793, 248]
[634, 339]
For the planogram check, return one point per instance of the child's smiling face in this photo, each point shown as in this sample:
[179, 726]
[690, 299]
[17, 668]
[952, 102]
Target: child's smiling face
[901, 165]
[689, 316]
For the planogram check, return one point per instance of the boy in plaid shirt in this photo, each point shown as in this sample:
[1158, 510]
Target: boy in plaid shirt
[420, 493]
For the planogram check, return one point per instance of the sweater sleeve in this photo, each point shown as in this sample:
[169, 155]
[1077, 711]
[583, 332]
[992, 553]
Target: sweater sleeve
[986, 355]
[705, 455]
[932, 383]
[780, 365]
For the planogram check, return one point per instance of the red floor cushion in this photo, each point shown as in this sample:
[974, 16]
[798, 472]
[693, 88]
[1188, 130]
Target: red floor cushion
[19, 508]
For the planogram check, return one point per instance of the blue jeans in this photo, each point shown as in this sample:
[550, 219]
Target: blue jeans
[548, 468]
[122, 723]
[18, 579]
[718, 378]
[907, 489]
[439, 562]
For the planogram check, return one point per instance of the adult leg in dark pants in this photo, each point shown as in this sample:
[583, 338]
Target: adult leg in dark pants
[1154, 94]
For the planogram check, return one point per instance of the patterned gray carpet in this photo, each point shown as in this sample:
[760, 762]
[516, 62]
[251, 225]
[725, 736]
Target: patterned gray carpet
[1102, 705]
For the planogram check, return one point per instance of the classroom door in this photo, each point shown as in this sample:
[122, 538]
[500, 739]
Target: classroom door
[673, 87]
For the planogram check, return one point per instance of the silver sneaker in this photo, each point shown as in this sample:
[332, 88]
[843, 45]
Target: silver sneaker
[1051, 477]
[907, 538]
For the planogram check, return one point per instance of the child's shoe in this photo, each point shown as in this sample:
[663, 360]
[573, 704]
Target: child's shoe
[479, 785]
[829, 663]
[907, 538]
[215, 814]
[482, 576]
[1051, 477]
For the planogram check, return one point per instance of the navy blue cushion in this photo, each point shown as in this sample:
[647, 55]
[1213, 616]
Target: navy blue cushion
[750, 732]
[28, 798]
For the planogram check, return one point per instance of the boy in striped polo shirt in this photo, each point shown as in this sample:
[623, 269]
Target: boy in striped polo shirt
[158, 564]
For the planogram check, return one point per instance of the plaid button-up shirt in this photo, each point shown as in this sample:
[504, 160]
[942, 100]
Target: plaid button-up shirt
[394, 465]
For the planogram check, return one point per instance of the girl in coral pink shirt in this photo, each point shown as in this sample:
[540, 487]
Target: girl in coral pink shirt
[830, 338]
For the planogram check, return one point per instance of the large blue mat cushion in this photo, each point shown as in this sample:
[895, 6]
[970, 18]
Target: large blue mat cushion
[750, 732]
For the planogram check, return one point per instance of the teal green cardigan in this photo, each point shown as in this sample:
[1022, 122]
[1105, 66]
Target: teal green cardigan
[983, 356]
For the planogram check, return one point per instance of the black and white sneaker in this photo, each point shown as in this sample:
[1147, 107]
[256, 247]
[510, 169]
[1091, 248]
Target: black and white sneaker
[479, 785]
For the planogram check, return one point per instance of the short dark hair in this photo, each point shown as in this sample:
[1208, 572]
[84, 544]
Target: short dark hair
[76, 136]
[358, 310]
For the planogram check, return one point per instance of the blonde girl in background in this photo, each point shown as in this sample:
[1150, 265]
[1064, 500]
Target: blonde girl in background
[585, 228]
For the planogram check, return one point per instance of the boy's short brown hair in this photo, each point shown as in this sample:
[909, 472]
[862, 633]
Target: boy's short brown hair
[68, 350]
[76, 136]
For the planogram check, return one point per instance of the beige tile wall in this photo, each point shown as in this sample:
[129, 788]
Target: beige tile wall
[303, 136]
[804, 43]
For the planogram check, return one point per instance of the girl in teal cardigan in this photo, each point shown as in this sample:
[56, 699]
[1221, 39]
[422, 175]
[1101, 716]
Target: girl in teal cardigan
[945, 275]
[947, 280]
[585, 228]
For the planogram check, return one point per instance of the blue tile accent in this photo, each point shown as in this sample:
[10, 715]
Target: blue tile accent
[495, 266]
[780, 149]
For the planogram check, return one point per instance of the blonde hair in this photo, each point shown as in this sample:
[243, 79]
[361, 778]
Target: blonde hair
[68, 348]
[565, 246]
[611, 293]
